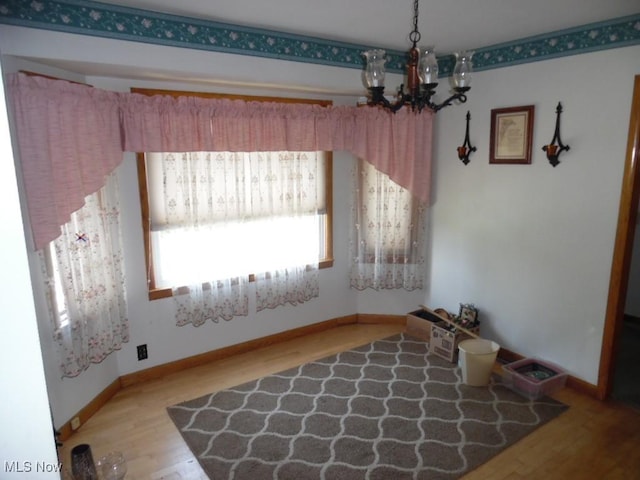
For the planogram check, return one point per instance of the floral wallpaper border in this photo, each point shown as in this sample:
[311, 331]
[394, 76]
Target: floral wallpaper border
[124, 23]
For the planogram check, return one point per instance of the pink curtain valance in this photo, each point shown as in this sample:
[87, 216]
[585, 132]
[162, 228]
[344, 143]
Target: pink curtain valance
[72, 136]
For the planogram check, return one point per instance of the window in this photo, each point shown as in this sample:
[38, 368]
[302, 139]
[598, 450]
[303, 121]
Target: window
[238, 202]
[387, 242]
[55, 291]
[84, 276]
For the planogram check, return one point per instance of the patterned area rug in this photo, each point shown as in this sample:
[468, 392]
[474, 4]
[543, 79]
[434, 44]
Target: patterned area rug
[386, 410]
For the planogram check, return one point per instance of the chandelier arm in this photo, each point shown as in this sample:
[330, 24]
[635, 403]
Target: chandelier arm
[397, 105]
[460, 96]
[377, 98]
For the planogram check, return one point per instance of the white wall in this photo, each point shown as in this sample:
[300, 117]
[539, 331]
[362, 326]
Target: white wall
[532, 245]
[26, 431]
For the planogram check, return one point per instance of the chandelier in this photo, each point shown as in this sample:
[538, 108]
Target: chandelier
[422, 76]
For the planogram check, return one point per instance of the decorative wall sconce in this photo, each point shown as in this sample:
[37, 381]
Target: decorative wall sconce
[466, 149]
[554, 149]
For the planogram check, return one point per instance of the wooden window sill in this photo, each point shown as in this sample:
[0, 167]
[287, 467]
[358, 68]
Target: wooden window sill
[158, 293]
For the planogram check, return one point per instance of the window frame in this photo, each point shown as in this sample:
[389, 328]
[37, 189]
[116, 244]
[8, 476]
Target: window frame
[143, 189]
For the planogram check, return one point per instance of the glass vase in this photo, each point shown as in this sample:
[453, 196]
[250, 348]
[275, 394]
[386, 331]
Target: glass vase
[112, 466]
[82, 465]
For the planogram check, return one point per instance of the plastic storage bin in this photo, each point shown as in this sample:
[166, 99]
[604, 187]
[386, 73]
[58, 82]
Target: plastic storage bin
[533, 378]
[477, 357]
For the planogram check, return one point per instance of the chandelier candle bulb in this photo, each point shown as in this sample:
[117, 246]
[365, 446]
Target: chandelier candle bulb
[374, 73]
[462, 69]
[428, 69]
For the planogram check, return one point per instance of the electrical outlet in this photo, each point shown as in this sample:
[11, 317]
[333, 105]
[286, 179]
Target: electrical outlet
[142, 352]
[75, 423]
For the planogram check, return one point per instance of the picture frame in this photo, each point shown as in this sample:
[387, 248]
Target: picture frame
[468, 314]
[511, 135]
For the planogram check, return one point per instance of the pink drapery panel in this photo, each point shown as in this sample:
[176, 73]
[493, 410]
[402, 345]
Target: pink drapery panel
[396, 144]
[69, 140]
[72, 136]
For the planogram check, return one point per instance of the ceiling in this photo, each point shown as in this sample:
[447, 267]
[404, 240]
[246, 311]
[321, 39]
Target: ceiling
[450, 25]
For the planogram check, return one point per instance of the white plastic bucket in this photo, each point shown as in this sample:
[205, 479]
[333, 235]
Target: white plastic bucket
[476, 359]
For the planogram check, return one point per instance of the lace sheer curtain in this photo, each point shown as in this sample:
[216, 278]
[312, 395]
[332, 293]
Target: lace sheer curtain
[223, 216]
[187, 218]
[294, 195]
[387, 244]
[84, 273]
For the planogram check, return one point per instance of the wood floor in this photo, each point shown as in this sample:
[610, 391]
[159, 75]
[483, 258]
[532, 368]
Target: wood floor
[592, 440]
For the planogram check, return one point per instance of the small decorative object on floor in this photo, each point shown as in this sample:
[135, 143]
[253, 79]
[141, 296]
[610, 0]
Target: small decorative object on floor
[82, 465]
[112, 466]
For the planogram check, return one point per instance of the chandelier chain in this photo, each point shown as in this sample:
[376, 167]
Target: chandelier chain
[414, 36]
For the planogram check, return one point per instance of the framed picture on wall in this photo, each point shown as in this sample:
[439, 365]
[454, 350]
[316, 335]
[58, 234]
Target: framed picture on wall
[511, 135]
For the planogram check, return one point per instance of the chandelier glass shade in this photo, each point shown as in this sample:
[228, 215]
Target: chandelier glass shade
[422, 76]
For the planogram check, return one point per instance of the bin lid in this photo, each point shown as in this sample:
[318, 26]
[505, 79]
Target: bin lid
[478, 346]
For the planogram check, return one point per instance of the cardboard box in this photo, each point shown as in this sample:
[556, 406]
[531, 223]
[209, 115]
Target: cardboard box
[444, 342]
[419, 323]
